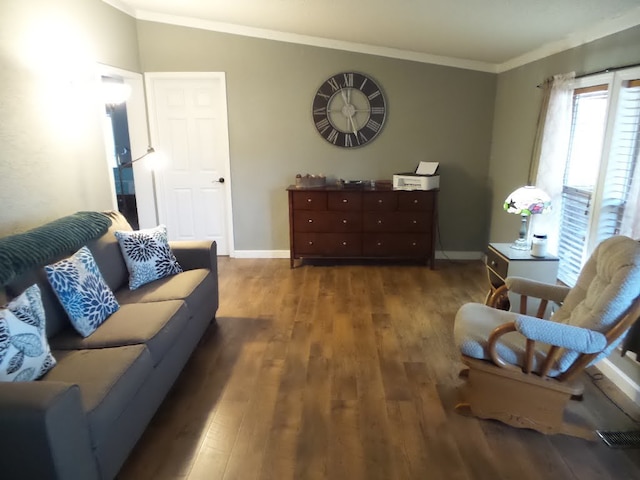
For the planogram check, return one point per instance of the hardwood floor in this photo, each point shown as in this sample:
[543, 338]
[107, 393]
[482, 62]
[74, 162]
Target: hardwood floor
[350, 372]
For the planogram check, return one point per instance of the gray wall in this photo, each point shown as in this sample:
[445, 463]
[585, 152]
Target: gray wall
[52, 155]
[516, 114]
[434, 114]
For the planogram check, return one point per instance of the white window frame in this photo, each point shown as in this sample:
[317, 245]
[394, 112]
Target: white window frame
[614, 82]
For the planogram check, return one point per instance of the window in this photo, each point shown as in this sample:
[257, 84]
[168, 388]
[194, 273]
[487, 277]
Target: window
[599, 192]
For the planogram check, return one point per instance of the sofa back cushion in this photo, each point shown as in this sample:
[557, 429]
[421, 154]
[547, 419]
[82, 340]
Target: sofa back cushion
[108, 257]
[107, 254]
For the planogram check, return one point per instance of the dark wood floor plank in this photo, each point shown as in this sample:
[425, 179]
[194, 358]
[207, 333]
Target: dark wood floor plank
[350, 372]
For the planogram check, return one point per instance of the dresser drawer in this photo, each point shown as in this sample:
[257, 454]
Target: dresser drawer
[305, 200]
[329, 244]
[413, 201]
[344, 201]
[312, 221]
[397, 245]
[396, 222]
[379, 201]
[497, 263]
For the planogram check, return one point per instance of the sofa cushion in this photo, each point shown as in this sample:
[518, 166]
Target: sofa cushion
[82, 291]
[108, 378]
[24, 350]
[147, 255]
[107, 254]
[155, 324]
[193, 286]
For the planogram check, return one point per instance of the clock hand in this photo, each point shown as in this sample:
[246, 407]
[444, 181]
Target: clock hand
[353, 125]
[345, 99]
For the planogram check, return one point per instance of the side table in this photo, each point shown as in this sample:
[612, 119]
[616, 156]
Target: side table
[504, 261]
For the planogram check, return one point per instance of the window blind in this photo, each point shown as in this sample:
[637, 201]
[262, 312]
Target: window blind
[580, 178]
[622, 162]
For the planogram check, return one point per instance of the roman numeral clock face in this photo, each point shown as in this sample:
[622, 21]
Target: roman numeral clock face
[349, 110]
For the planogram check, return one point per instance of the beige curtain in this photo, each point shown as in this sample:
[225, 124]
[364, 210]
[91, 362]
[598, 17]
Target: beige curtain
[550, 152]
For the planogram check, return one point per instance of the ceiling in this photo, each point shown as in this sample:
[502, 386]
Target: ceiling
[488, 35]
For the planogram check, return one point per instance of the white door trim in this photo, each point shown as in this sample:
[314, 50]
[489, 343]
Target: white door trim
[226, 160]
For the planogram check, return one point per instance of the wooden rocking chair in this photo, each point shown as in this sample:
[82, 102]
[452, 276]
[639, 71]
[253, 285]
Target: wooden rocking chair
[524, 370]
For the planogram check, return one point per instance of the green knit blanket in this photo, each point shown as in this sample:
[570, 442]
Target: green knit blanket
[42, 245]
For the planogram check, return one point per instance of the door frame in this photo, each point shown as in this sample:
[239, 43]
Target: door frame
[149, 77]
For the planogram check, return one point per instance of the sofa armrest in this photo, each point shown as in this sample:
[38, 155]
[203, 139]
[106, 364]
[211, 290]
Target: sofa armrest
[45, 433]
[196, 254]
[533, 288]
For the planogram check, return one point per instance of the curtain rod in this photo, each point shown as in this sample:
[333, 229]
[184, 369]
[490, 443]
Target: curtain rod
[606, 70]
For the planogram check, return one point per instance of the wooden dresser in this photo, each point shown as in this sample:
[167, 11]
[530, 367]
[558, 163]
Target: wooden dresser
[336, 222]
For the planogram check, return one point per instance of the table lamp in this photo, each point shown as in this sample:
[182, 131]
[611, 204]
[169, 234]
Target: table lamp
[526, 201]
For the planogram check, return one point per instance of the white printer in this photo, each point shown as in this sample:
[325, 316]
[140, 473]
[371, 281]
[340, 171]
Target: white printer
[425, 177]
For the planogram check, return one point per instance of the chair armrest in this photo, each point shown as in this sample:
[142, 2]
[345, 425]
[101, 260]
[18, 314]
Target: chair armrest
[192, 255]
[533, 288]
[45, 433]
[557, 334]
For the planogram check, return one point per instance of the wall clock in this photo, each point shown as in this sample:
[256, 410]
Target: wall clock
[349, 110]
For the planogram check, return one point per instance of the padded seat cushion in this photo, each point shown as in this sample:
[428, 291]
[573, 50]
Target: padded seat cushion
[108, 378]
[474, 323]
[192, 286]
[154, 324]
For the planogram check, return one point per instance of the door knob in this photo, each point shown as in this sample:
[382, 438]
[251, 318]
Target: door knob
[220, 180]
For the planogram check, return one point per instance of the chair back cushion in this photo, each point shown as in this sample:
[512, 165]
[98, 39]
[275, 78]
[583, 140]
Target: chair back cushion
[608, 283]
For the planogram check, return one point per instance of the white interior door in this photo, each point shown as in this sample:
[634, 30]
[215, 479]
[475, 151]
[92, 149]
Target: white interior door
[188, 123]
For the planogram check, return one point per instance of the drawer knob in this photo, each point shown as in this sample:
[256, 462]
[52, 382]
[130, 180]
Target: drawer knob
[344, 243]
[310, 220]
[414, 244]
[344, 221]
[415, 201]
[344, 200]
[310, 242]
[379, 222]
[380, 201]
[309, 200]
[493, 263]
[379, 244]
[415, 221]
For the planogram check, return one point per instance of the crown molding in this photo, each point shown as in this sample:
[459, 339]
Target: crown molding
[606, 27]
[576, 39]
[266, 34]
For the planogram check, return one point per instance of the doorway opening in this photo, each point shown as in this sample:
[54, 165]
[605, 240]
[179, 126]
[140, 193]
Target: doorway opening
[118, 143]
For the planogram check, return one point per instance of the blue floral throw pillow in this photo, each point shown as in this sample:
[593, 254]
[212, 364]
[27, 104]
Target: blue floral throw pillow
[82, 291]
[24, 350]
[147, 255]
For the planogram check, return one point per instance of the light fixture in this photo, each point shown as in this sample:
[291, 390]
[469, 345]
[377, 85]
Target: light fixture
[526, 201]
[154, 162]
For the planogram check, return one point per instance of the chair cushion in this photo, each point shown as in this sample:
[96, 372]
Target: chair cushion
[606, 287]
[147, 255]
[108, 378]
[154, 324]
[82, 291]
[24, 350]
[474, 323]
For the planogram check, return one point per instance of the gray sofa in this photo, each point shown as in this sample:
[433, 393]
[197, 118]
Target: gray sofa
[82, 419]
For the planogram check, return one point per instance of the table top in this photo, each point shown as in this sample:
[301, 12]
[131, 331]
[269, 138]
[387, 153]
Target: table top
[506, 251]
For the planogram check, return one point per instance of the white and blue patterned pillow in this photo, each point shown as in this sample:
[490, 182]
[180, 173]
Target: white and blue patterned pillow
[24, 350]
[82, 291]
[147, 255]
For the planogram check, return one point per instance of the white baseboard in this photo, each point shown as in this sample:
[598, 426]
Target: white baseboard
[440, 255]
[260, 254]
[621, 380]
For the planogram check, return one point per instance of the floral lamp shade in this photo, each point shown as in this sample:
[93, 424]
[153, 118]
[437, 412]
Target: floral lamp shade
[526, 201]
